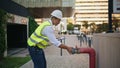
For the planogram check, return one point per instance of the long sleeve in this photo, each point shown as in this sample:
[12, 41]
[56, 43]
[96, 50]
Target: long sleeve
[49, 32]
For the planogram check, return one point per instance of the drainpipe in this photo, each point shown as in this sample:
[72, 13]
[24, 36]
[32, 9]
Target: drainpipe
[90, 51]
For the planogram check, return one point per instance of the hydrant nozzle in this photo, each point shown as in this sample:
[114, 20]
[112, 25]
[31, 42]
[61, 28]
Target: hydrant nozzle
[75, 51]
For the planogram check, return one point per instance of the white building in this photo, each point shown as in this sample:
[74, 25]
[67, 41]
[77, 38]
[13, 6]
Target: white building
[91, 11]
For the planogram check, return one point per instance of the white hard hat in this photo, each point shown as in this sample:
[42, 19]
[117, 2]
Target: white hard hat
[57, 14]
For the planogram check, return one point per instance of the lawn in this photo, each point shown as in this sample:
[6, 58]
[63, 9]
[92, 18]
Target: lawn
[13, 62]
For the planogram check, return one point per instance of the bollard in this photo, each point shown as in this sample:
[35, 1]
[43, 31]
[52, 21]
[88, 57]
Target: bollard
[62, 38]
[90, 51]
[89, 42]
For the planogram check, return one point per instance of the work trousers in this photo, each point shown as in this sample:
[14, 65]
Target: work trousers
[37, 56]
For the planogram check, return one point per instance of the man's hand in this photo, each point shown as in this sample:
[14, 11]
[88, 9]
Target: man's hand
[69, 49]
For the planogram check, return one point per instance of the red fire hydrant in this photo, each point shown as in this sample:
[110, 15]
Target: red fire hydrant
[90, 51]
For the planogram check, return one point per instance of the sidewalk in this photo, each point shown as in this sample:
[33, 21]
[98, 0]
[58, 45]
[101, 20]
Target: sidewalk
[55, 60]
[18, 52]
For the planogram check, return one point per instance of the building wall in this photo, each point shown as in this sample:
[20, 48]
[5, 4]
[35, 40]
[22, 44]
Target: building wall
[17, 19]
[46, 3]
[107, 47]
[91, 10]
[43, 8]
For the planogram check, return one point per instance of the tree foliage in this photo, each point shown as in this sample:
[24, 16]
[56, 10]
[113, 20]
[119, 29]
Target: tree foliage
[70, 26]
[116, 23]
[2, 32]
[102, 28]
[85, 24]
[32, 25]
[93, 27]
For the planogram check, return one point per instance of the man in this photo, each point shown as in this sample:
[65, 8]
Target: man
[40, 38]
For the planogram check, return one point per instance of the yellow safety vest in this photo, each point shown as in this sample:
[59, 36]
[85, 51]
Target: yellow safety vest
[37, 39]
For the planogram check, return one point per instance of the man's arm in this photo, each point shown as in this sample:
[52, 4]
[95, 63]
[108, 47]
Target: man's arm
[48, 31]
[63, 46]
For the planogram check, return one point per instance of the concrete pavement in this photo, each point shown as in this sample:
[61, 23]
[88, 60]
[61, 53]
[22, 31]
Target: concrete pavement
[55, 60]
[18, 52]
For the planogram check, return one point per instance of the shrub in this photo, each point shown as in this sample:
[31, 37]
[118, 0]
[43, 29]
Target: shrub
[2, 32]
[32, 25]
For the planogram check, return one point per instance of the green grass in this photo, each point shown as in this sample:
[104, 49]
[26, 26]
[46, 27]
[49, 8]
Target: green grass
[13, 62]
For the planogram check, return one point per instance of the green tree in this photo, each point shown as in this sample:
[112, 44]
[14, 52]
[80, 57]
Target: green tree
[116, 23]
[105, 27]
[93, 27]
[32, 25]
[2, 32]
[85, 24]
[102, 27]
[70, 26]
[98, 30]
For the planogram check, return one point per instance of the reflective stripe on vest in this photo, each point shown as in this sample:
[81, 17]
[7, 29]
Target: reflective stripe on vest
[40, 37]
[36, 42]
[37, 38]
[32, 40]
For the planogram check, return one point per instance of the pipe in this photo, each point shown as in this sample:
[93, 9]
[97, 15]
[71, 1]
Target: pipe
[90, 51]
[92, 55]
